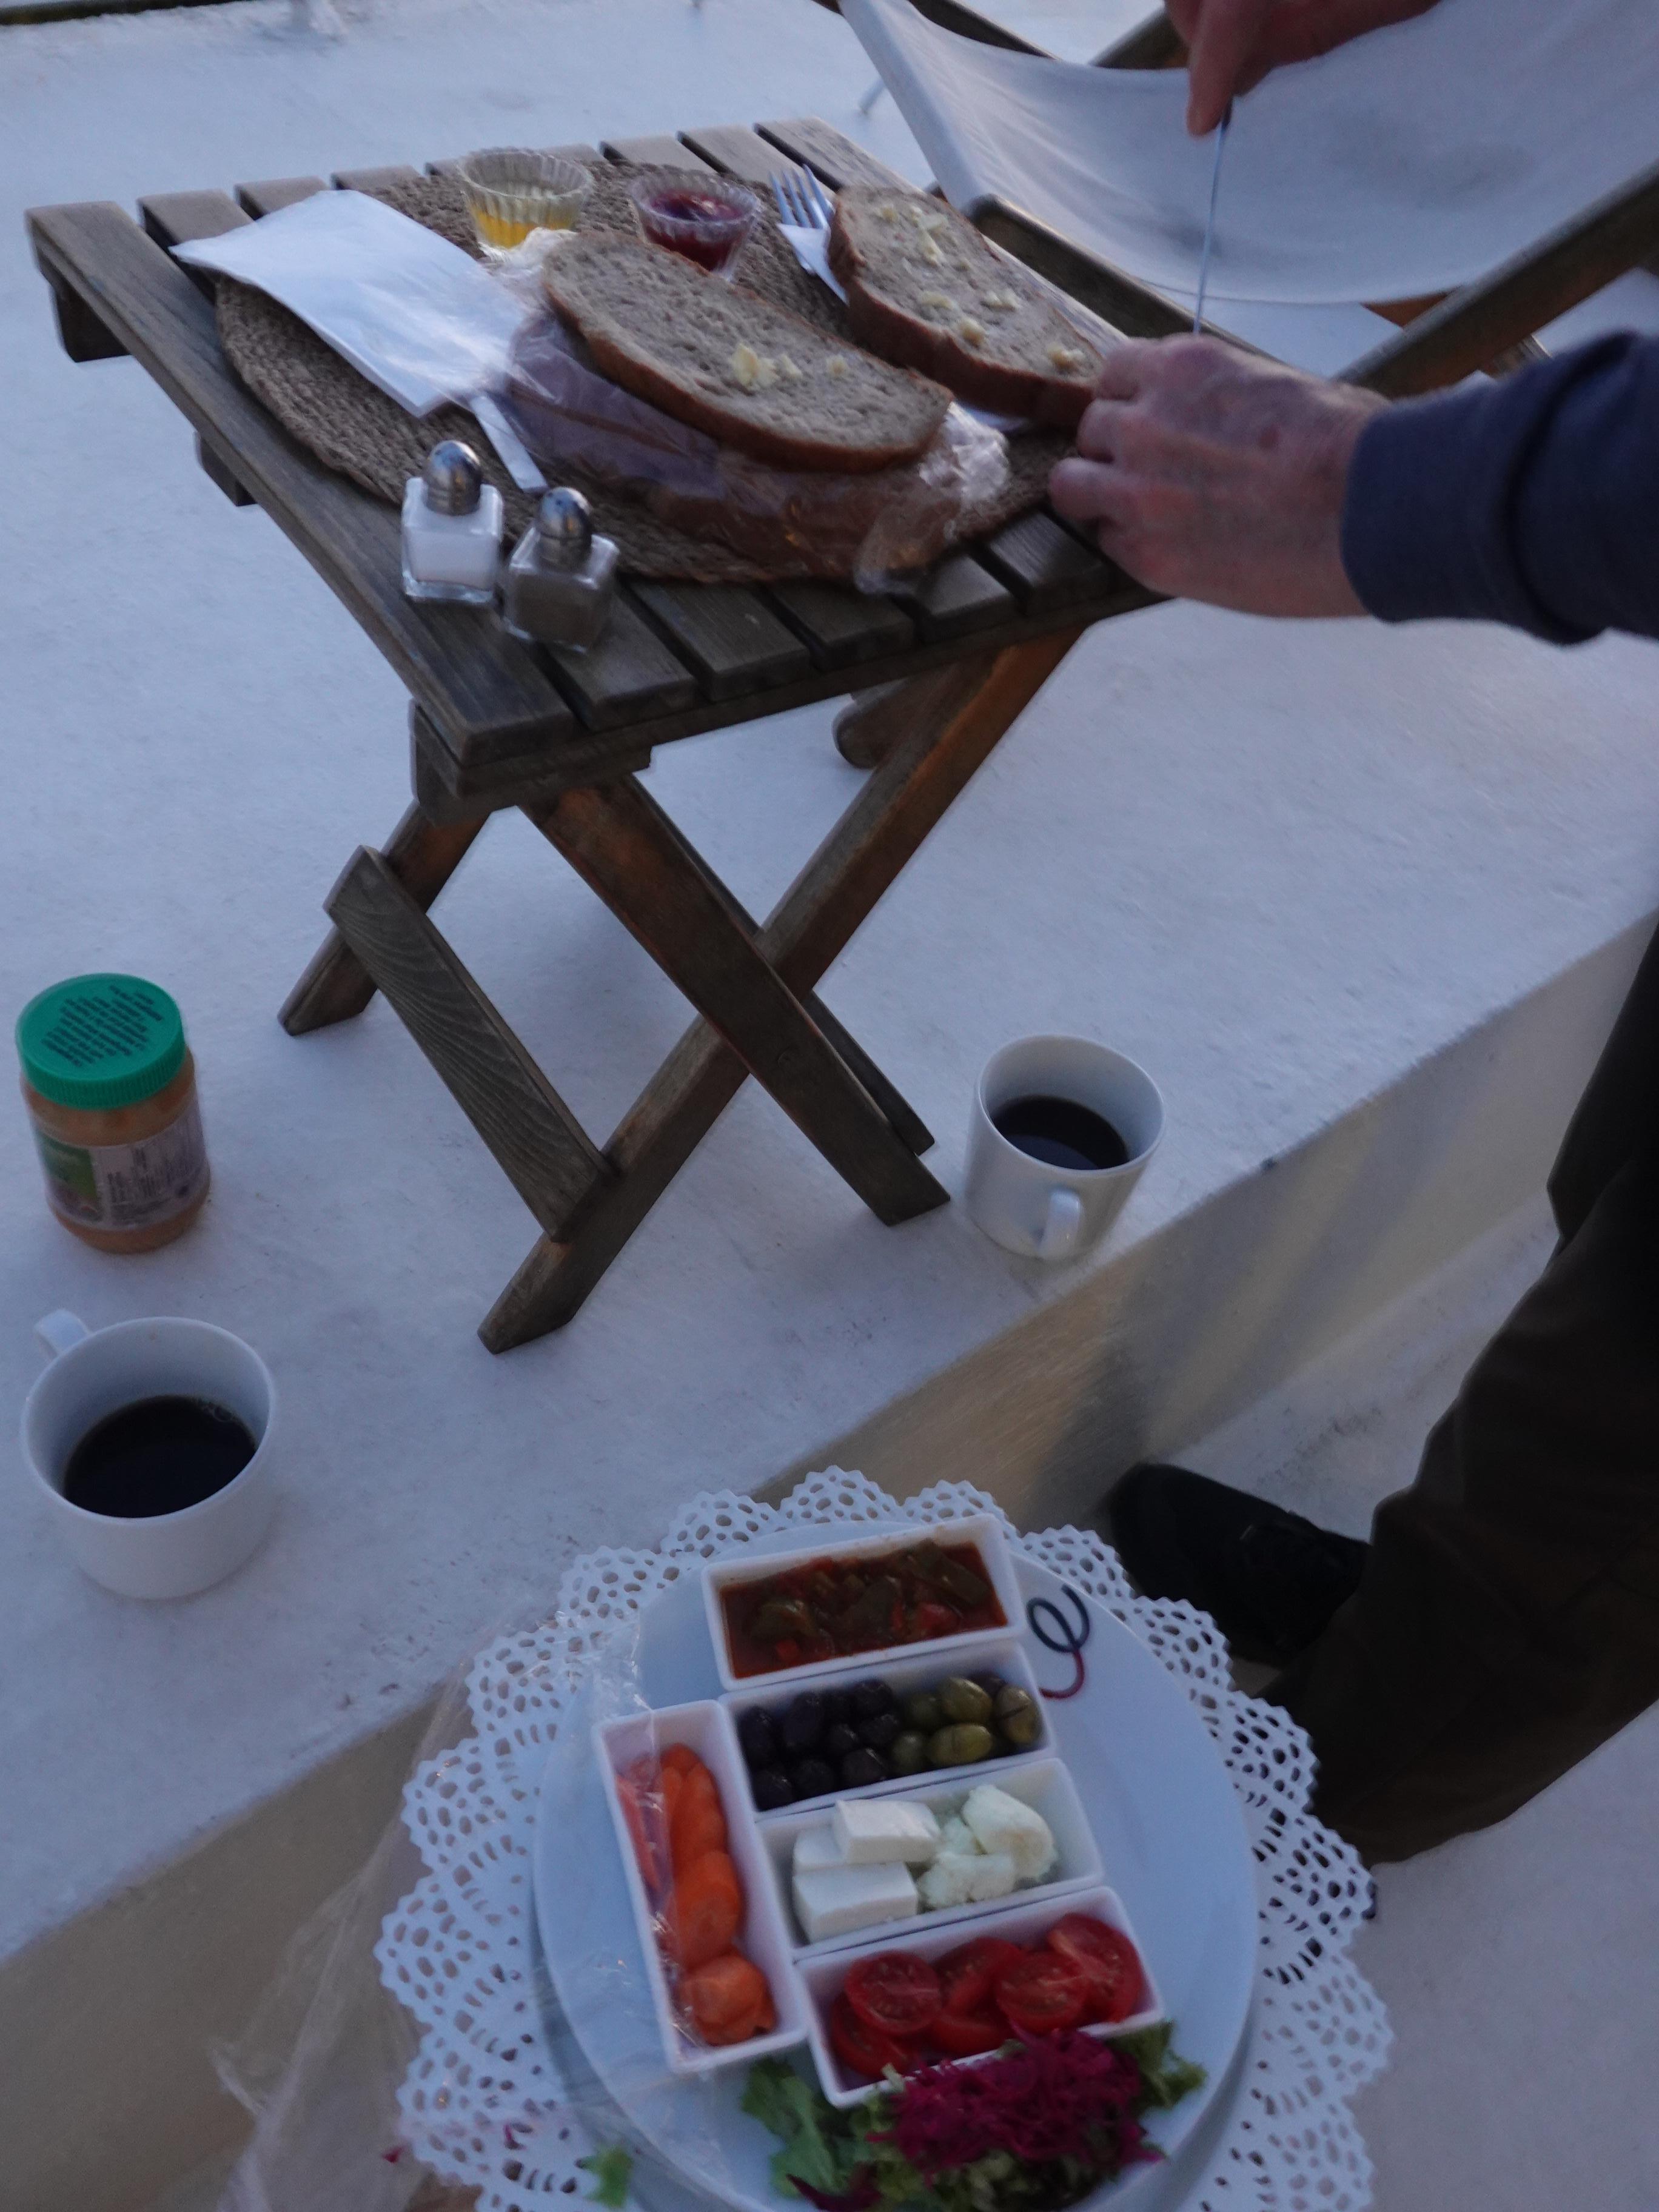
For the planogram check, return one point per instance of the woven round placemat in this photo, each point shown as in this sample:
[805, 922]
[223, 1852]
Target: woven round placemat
[337, 414]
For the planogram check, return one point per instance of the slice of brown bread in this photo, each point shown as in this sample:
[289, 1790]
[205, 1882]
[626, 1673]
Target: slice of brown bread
[728, 361]
[924, 288]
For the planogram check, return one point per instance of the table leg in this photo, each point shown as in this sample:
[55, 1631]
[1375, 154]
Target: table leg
[422, 855]
[629, 852]
[862, 856]
[872, 722]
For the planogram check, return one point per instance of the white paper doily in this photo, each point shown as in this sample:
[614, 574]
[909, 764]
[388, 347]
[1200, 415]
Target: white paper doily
[483, 2104]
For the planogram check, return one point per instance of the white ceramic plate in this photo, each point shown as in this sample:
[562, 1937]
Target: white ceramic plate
[1164, 1813]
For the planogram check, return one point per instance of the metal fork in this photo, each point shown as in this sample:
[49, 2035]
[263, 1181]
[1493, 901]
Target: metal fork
[802, 201]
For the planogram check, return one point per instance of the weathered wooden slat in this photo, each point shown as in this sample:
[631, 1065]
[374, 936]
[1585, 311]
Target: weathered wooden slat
[175, 218]
[218, 471]
[730, 638]
[839, 626]
[477, 683]
[628, 851]
[830, 154]
[661, 151]
[580, 758]
[270, 193]
[374, 180]
[738, 151]
[509, 780]
[1531, 288]
[537, 1142]
[1044, 566]
[422, 855]
[954, 597]
[630, 674]
[812, 924]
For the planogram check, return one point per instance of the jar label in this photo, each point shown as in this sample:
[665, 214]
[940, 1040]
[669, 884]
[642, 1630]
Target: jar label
[127, 1186]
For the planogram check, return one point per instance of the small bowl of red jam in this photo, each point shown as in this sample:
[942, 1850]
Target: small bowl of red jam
[704, 218]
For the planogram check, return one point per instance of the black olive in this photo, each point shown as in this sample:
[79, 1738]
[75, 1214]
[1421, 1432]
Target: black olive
[837, 1707]
[861, 1766]
[772, 1788]
[802, 1723]
[813, 1777]
[840, 1740]
[881, 1733]
[758, 1737]
[870, 1699]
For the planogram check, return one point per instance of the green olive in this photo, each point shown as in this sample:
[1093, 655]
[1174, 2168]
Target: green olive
[964, 1700]
[1017, 1716]
[924, 1711]
[960, 1745]
[907, 1754]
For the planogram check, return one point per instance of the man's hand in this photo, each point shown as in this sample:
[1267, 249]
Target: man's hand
[1211, 474]
[1232, 44]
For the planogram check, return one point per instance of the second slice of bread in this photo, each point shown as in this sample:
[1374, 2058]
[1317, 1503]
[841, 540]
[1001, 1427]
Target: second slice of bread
[728, 361]
[924, 287]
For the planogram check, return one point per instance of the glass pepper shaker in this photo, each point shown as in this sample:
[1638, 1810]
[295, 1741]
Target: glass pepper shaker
[452, 529]
[562, 578]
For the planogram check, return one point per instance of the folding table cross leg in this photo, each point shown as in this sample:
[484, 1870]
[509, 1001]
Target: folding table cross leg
[752, 987]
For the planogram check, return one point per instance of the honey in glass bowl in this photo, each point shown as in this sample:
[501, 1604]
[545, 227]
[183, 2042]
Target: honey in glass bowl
[511, 191]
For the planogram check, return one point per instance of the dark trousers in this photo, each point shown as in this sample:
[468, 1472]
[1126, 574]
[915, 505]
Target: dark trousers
[1508, 1619]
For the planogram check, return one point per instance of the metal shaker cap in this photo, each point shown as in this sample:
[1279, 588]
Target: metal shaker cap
[454, 479]
[564, 528]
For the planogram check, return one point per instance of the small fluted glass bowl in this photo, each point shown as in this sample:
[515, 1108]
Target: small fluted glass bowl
[704, 218]
[511, 191]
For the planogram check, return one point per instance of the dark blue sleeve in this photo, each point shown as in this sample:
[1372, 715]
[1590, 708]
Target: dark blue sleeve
[1532, 500]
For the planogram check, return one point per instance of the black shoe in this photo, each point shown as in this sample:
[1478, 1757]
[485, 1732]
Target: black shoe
[1269, 1579]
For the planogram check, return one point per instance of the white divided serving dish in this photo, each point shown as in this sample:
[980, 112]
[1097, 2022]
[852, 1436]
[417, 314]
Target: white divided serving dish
[705, 1727]
[994, 1652]
[824, 1973]
[982, 1530]
[1045, 1785]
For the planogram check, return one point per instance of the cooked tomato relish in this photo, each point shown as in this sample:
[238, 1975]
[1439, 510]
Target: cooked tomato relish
[832, 1608]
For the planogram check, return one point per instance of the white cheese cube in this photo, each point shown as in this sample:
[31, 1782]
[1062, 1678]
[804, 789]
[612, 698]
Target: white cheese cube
[816, 1848]
[1002, 1823]
[838, 1900]
[876, 1831]
[956, 1878]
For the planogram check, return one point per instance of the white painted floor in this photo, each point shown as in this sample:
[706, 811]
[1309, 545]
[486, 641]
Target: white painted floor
[1280, 865]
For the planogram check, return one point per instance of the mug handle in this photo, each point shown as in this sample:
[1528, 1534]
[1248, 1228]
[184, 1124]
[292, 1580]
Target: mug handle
[1063, 1227]
[61, 1331]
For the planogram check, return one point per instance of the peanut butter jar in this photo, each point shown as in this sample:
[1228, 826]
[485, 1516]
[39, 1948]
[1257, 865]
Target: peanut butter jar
[110, 1087]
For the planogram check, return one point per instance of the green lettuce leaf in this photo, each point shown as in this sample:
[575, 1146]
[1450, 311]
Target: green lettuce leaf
[613, 2169]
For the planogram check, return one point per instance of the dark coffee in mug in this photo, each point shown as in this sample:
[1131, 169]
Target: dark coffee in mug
[1061, 1134]
[157, 1456]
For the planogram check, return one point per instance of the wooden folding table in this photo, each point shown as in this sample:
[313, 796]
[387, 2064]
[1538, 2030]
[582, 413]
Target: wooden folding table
[940, 668]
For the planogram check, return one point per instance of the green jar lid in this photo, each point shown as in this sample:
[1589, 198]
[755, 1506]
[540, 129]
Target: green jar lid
[101, 1041]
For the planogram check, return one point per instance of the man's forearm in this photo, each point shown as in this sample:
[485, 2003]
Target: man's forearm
[1533, 501]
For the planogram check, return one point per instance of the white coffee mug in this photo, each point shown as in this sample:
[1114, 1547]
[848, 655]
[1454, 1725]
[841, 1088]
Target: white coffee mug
[96, 1372]
[1027, 1206]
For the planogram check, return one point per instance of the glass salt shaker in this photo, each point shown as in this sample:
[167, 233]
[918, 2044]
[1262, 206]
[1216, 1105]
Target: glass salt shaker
[562, 578]
[452, 529]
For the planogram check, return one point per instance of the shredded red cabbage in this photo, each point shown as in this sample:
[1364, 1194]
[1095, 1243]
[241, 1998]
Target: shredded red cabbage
[1057, 2096]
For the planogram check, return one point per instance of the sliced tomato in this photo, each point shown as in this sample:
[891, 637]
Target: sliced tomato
[863, 2049]
[968, 1975]
[1042, 1992]
[896, 1993]
[1109, 1962]
[966, 2034]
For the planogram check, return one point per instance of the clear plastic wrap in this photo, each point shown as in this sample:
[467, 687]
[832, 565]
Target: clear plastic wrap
[867, 529]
